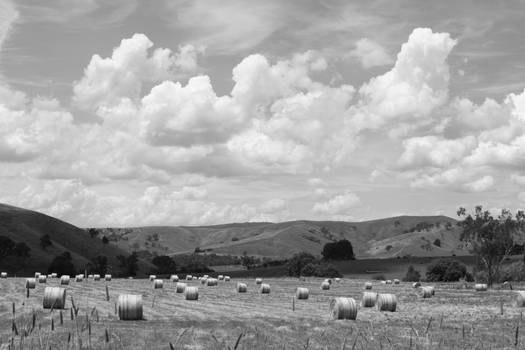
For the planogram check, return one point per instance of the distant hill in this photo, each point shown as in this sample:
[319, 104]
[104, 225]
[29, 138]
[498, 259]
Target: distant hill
[21, 225]
[424, 236]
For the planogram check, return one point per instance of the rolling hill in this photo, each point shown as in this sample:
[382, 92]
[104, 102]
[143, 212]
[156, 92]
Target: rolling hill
[21, 225]
[384, 238]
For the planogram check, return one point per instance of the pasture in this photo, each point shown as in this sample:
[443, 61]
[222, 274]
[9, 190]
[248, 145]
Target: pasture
[454, 318]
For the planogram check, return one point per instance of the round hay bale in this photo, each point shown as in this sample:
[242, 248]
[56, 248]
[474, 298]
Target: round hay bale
[432, 290]
[79, 278]
[205, 276]
[265, 288]
[383, 282]
[157, 284]
[3, 274]
[30, 283]
[107, 278]
[416, 284]
[96, 277]
[54, 297]
[152, 278]
[129, 307]
[329, 280]
[189, 277]
[520, 302]
[64, 280]
[194, 278]
[220, 277]
[369, 299]
[325, 285]
[42, 279]
[343, 309]
[37, 274]
[203, 280]
[174, 278]
[242, 288]
[368, 285]
[258, 280]
[90, 277]
[227, 278]
[480, 287]
[337, 279]
[426, 292]
[302, 293]
[388, 282]
[211, 282]
[180, 287]
[192, 293]
[396, 281]
[386, 302]
[54, 275]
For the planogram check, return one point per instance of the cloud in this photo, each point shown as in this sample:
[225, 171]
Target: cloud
[482, 184]
[8, 16]
[340, 204]
[370, 54]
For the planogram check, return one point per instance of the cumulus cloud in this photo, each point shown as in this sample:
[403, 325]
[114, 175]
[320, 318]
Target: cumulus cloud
[340, 204]
[370, 54]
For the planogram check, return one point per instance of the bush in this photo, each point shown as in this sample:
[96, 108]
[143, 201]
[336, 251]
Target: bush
[340, 250]
[412, 275]
[446, 270]
[298, 262]
[320, 270]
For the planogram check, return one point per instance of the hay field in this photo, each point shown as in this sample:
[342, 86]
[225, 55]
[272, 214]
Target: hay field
[455, 318]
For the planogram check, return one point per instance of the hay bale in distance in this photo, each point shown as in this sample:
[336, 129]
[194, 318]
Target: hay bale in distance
[325, 285]
[79, 278]
[426, 292]
[337, 279]
[480, 287]
[157, 284]
[96, 277]
[54, 297]
[302, 293]
[211, 282]
[203, 280]
[521, 298]
[64, 280]
[368, 285]
[265, 288]
[387, 302]
[54, 275]
[258, 280]
[396, 281]
[90, 277]
[37, 274]
[174, 278]
[152, 278]
[388, 282]
[220, 277]
[3, 274]
[189, 277]
[129, 307]
[227, 278]
[242, 288]
[42, 279]
[30, 283]
[416, 284]
[369, 299]
[192, 293]
[180, 287]
[343, 309]
[107, 278]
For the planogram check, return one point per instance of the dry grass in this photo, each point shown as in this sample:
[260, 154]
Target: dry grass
[455, 318]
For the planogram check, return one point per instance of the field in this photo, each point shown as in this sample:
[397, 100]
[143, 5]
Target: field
[455, 318]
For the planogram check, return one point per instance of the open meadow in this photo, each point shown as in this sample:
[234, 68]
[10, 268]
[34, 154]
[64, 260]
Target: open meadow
[454, 318]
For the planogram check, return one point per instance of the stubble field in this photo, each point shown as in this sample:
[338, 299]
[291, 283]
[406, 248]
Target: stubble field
[455, 318]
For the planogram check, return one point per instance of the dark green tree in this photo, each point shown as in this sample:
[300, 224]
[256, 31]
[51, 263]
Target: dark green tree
[45, 241]
[99, 265]
[62, 264]
[129, 263]
[446, 270]
[340, 250]
[296, 264]
[22, 250]
[7, 245]
[164, 264]
[412, 275]
[105, 240]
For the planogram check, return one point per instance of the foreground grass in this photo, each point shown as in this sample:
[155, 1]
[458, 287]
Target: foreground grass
[456, 318]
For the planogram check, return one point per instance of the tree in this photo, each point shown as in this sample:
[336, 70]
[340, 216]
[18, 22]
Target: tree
[412, 275]
[62, 265]
[129, 263]
[491, 238]
[7, 245]
[105, 240]
[45, 241]
[247, 261]
[164, 264]
[21, 249]
[340, 250]
[437, 242]
[446, 270]
[298, 262]
[99, 265]
[93, 232]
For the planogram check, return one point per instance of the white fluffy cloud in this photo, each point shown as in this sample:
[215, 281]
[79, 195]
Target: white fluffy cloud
[370, 54]
[340, 204]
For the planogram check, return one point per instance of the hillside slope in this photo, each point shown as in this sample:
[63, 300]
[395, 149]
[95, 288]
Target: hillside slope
[21, 225]
[383, 238]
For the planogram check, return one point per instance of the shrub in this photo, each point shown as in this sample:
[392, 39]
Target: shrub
[437, 242]
[412, 275]
[298, 262]
[446, 270]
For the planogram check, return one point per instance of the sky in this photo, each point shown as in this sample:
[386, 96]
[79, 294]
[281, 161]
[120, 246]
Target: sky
[129, 112]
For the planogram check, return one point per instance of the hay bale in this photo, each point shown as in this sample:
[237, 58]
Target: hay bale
[54, 297]
[42, 279]
[129, 307]
[388, 282]
[265, 288]
[520, 302]
[386, 302]
[90, 277]
[205, 276]
[180, 287]
[49, 276]
[3, 274]
[337, 279]
[369, 299]
[158, 284]
[192, 293]
[426, 292]
[107, 278]
[329, 280]
[30, 283]
[54, 275]
[242, 288]
[220, 277]
[396, 281]
[96, 277]
[152, 278]
[203, 280]
[302, 293]
[258, 280]
[79, 278]
[37, 274]
[227, 278]
[368, 285]
[325, 285]
[432, 290]
[211, 282]
[343, 309]
[480, 287]
[383, 282]
[174, 278]
[416, 284]
[189, 277]
[194, 278]
[64, 280]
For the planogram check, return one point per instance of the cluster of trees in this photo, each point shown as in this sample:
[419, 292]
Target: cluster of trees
[188, 263]
[62, 264]
[305, 264]
[10, 247]
[340, 250]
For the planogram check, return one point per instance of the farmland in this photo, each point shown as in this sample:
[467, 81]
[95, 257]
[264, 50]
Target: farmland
[456, 317]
